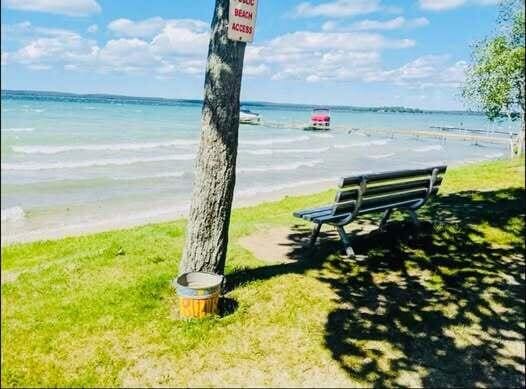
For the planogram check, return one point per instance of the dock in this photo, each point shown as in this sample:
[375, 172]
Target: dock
[442, 133]
[443, 136]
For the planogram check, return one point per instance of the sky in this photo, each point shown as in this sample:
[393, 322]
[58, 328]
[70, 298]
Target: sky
[336, 52]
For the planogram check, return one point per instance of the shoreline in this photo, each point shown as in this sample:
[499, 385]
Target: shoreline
[177, 212]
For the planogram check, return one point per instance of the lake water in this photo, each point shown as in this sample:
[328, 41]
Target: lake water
[72, 166]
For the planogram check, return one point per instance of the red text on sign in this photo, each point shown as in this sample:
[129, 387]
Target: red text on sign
[242, 28]
[242, 13]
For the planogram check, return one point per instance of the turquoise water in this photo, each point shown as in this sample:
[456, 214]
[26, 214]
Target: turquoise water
[69, 166]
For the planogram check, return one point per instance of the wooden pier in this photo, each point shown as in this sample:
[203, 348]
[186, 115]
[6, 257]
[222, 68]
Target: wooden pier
[443, 136]
[442, 133]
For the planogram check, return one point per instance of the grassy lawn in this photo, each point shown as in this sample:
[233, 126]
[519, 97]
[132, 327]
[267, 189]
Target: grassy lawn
[441, 308]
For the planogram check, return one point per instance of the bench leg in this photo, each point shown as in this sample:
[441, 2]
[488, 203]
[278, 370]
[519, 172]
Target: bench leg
[385, 218]
[314, 235]
[346, 242]
[414, 218]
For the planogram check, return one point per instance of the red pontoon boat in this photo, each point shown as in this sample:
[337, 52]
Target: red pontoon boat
[320, 119]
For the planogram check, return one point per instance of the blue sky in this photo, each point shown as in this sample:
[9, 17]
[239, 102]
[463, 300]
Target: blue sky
[349, 52]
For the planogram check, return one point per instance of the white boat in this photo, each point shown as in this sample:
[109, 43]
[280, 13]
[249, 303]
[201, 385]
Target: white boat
[248, 117]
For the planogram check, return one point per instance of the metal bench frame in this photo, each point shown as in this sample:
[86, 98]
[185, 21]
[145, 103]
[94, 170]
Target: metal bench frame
[409, 206]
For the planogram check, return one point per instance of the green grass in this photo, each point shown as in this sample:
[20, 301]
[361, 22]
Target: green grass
[441, 308]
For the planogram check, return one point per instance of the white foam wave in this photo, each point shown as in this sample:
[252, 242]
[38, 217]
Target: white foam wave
[428, 148]
[269, 189]
[274, 141]
[12, 214]
[493, 156]
[92, 163]
[381, 156]
[380, 142]
[26, 129]
[290, 166]
[42, 149]
[323, 136]
[285, 151]
[430, 163]
[156, 175]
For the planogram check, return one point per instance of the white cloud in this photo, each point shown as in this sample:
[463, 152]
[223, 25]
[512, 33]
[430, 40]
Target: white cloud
[441, 5]
[179, 46]
[25, 31]
[141, 29]
[151, 27]
[322, 41]
[425, 71]
[338, 8]
[183, 36]
[320, 56]
[259, 70]
[129, 55]
[61, 47]
[364, 25]
[92, 29]
[63, 7]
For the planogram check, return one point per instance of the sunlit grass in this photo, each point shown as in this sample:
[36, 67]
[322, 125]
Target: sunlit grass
[439, 309]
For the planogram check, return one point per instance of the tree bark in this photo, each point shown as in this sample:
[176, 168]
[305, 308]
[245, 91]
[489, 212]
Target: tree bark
[215, 165]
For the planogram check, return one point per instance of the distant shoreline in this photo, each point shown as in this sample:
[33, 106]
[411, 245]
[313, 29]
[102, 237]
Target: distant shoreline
[110, 98]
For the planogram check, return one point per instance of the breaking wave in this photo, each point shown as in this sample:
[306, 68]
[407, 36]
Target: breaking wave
[290, 166]
[428, 148]
[37, 149]
[92, 163]
[381, 156]
[274, 141]
[12, 214]
[275, 188]
[24, 129]
[380, 142]
[285, 151]
[156, 175]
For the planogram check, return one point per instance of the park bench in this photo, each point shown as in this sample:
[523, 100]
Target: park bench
[405, 190]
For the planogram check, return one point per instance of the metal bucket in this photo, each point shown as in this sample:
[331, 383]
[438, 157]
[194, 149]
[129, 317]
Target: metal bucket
[198, 293]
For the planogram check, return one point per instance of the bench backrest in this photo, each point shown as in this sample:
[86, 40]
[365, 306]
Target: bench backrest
[384, 190]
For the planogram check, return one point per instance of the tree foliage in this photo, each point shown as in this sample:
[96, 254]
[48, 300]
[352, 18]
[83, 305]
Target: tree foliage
[495, 79]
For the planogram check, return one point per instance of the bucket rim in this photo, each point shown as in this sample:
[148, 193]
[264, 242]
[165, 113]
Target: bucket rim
[177, 284]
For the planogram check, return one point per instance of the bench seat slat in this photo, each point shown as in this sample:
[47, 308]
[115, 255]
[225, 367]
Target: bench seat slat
[401, 204]
[315, 215]
[330, 218]
[347, 195]
[355, 180]
[372, 202]
[307, 211]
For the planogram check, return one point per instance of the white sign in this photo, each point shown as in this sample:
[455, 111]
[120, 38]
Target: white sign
[242, 20]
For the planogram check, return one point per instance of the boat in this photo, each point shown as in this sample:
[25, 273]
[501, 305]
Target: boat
[248, 117]
[320, 119]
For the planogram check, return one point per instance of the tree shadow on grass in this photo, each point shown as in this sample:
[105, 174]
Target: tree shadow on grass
[441, 307]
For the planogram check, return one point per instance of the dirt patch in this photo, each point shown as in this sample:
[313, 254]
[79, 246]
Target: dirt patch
[289, 244]
[9, 276]
[274, 245]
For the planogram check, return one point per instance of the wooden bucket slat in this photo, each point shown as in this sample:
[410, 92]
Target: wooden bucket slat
[198, 308]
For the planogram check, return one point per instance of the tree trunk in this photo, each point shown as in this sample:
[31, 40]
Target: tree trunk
[522, 135]
[215, 166]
